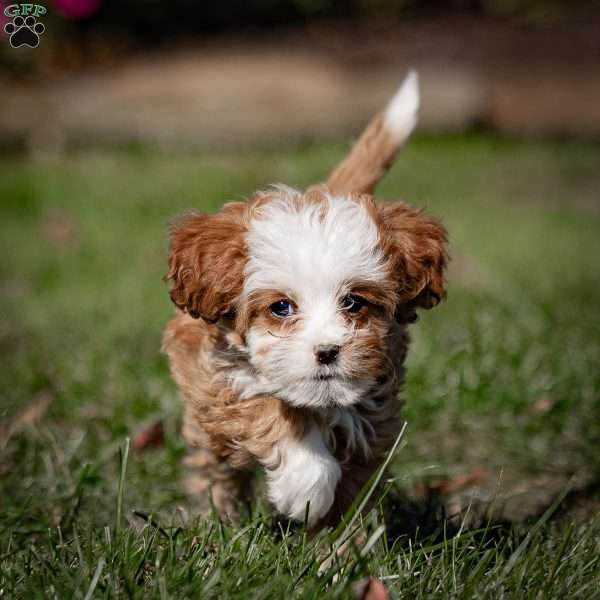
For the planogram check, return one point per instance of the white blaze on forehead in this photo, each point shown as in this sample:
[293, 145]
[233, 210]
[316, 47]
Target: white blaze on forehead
[313, 248]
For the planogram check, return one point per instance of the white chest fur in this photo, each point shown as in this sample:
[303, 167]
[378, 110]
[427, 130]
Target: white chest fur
[306, 472]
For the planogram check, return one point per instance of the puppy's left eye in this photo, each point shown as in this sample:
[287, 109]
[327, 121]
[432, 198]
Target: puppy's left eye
[353, 303]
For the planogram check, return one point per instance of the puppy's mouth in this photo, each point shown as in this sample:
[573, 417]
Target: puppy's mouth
[326, 376]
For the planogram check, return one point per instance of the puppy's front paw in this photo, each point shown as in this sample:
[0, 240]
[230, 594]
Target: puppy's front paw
[306, 473]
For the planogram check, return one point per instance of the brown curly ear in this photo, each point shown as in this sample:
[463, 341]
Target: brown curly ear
[207, 255]
[416, 247]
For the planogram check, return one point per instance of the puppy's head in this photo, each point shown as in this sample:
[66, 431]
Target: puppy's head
[318, 285]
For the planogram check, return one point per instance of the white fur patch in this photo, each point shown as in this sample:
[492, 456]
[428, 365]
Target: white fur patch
[306, 472]
[401, 112]
[311, 249]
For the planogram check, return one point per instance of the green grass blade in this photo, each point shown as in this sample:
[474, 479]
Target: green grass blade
[95, 578]
[123, 457]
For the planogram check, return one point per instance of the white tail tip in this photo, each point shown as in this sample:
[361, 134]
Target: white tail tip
[401, 112]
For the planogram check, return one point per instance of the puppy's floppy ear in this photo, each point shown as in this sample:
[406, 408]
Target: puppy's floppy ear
[207, 256]
[416, 246]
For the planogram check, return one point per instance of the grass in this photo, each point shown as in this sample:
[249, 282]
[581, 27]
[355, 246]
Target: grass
[503, 387]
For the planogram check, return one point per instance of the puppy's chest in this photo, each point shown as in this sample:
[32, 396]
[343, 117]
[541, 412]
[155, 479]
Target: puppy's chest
[348, 433]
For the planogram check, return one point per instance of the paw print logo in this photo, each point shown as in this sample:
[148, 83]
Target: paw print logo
[24, 31]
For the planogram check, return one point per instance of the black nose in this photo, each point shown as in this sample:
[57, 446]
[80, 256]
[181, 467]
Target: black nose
[326, 354]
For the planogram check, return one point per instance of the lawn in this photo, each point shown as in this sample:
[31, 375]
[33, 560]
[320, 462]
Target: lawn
[495, 488]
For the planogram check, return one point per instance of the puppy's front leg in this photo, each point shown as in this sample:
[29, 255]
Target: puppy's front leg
[211, 480]
[302, 471]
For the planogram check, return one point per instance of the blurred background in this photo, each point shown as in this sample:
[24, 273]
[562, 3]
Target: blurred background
[129, 112]
[274, 71]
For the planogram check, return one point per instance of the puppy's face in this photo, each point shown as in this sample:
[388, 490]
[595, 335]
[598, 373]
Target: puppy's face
[315, 286]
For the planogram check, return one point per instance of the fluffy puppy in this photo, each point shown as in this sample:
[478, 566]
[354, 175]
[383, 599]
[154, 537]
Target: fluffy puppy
[291, 330]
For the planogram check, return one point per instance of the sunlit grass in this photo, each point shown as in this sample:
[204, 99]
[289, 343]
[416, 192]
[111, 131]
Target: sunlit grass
[503, 378]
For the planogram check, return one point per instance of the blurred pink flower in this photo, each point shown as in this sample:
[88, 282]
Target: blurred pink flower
[76, 9]
[3, 19]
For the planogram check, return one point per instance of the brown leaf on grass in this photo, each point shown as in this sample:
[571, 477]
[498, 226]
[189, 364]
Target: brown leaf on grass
[58, 228]
[454, 484]
[28, 415]
[151, 436]
[369, 588]
[541, 406]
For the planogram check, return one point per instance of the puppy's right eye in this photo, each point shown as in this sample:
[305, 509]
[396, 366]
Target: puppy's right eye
[282, 309]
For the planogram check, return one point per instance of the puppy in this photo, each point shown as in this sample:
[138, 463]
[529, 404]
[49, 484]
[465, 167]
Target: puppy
[290, 336]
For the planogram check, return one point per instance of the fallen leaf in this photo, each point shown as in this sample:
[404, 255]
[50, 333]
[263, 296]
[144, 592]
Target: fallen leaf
[29, 414]
[542, 405]
[453, 484]
[59, 229]
[151, 436]
[369, 588]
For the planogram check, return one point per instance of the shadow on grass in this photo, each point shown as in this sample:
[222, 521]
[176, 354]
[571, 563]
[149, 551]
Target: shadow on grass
[428, 518]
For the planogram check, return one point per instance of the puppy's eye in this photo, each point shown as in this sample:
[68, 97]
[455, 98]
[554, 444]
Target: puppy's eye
[282, 309]
[353, 303]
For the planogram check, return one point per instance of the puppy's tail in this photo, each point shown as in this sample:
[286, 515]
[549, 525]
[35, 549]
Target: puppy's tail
[375, 150]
